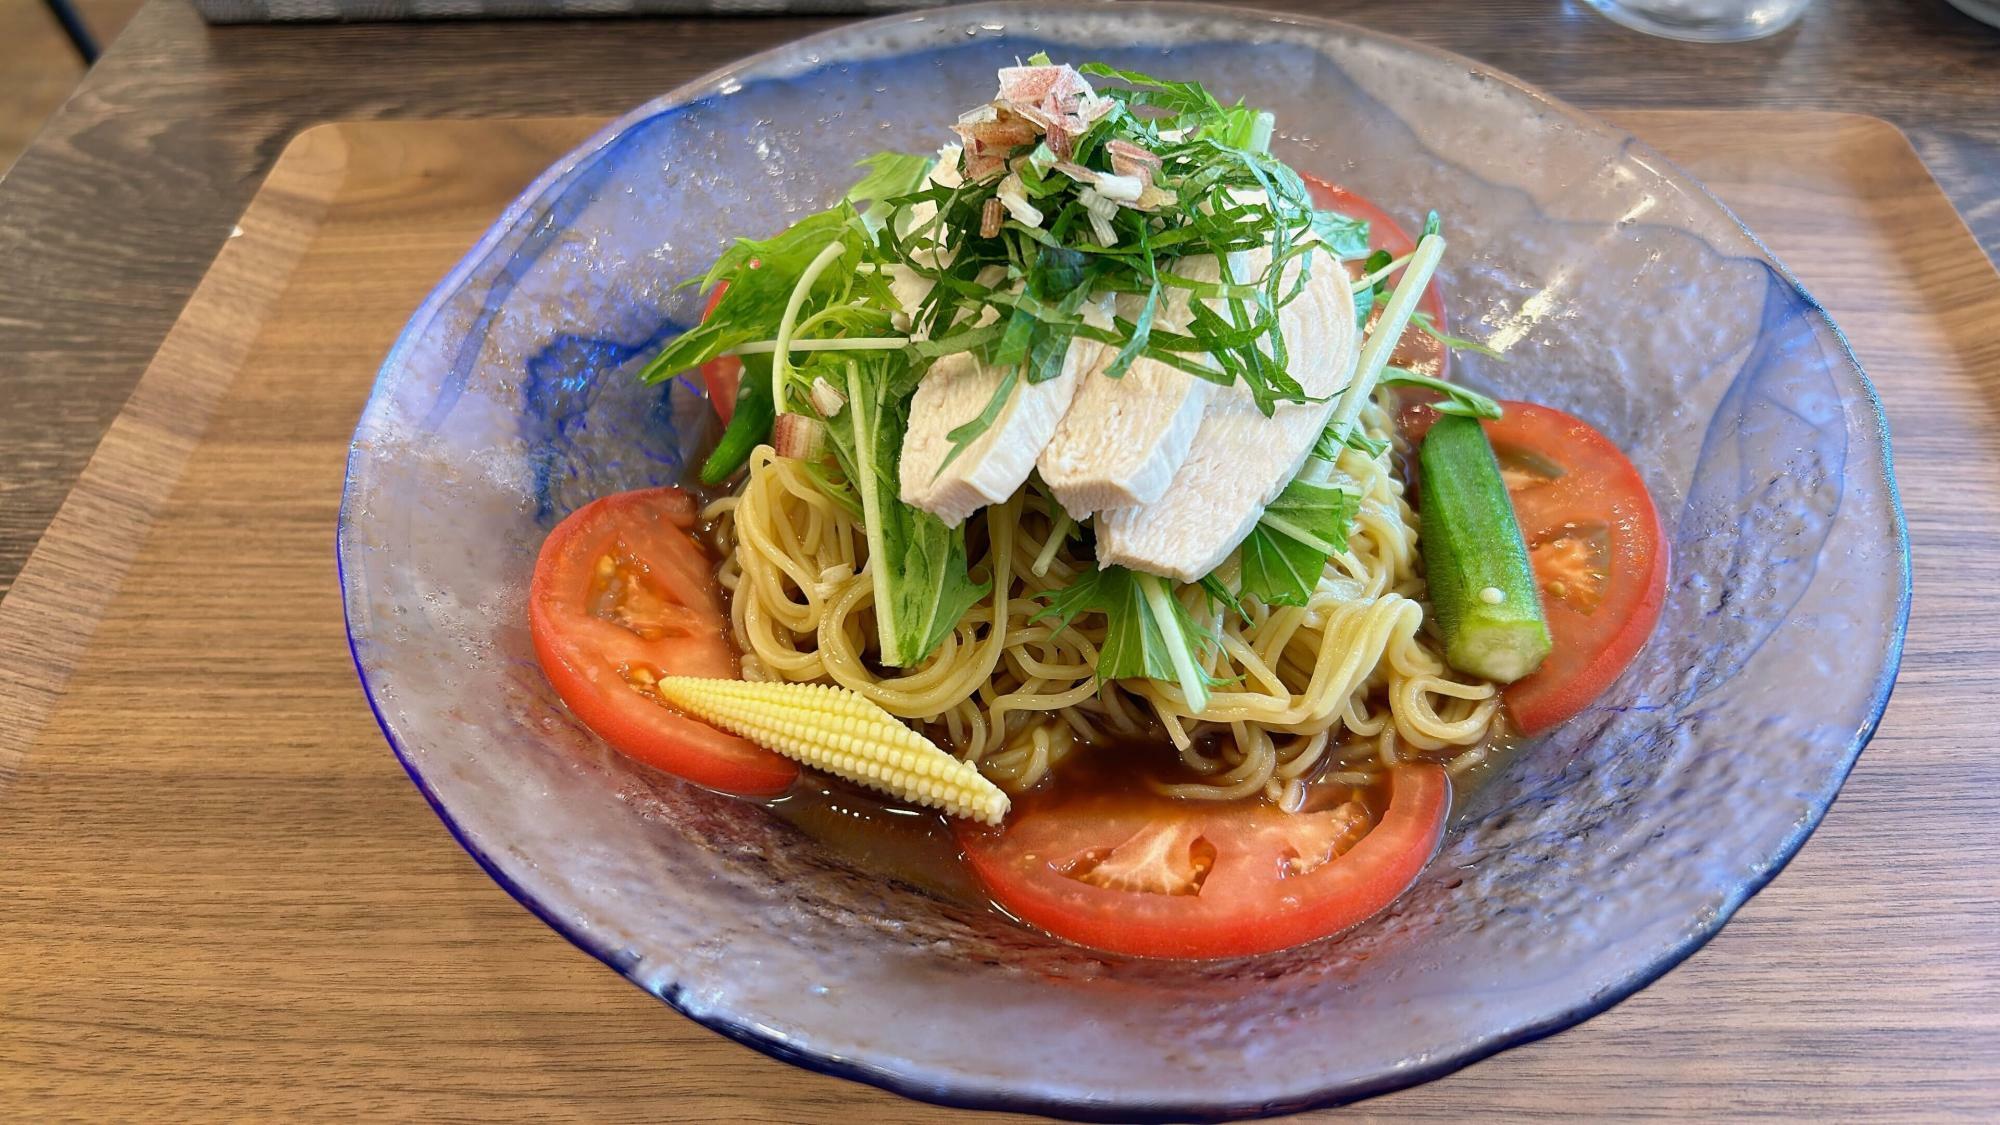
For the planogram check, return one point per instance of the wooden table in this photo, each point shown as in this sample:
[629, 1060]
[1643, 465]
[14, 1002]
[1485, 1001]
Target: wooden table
[115, 214]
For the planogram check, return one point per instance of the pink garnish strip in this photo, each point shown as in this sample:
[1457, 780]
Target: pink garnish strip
[799, 437]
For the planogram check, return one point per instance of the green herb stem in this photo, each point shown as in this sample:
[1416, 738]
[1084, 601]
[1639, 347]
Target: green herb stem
[1429, 328]
[1180, 648]
[1458, 399]
[1058, 534]
[781, 366]
[1395, 317]
[849, 344]
[1304, 535]
[1369, 280]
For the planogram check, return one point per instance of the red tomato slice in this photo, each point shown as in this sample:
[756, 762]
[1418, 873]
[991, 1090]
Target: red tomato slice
[722, 374]
[1599, 553]
[1136, 873]
[1418, 350]
[623, 594]
[1598, 550]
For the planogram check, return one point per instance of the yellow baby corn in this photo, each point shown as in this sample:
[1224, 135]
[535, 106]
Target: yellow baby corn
[833, 729]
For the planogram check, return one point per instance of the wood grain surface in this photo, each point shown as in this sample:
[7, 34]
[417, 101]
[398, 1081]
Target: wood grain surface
[220, 896]
[39, 67]
[112, 217]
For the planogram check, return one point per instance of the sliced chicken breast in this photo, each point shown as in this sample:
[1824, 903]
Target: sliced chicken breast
[1240, 460]
[953, 392]
[1123, 438]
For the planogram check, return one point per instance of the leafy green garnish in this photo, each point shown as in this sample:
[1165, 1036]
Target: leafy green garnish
[1364, 300]
[1245, 128]
[1148, 633]
[834, 487]
[889, 175]
[1429, 328]
[1287, 551]
[1179, 99]
[761, 274]
[1347, 238]
[917, 564]
[756, 298]
[1044, 319]
[1328, 445]
[1458, 399]
[1362, 442]
[1220, 594]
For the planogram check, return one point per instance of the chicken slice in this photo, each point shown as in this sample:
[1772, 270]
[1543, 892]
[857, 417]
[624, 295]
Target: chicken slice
[1123, 438]
[953, 392]
[1240, 460]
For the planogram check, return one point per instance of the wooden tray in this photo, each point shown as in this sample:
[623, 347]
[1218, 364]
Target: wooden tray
[222, 897]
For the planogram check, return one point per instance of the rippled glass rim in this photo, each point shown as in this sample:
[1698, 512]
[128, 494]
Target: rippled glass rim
[752, 1035]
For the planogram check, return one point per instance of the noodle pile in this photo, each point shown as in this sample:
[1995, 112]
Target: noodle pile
[1335, 690]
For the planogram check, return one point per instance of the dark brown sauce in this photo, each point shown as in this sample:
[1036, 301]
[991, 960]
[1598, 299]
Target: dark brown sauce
[1136, 764]
[872, 833]
[1469, 796]
[915, 846]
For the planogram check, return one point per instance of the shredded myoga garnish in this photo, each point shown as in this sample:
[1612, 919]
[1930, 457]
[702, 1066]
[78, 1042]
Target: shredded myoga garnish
[1095, 483]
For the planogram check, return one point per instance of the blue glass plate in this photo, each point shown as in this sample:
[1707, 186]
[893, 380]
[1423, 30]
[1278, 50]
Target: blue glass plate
[1617, 288]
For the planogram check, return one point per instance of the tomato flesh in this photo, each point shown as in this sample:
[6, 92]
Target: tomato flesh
[723, 374]
[1599, 552]
[623, 594]
[1418, 350]
[1135, 873]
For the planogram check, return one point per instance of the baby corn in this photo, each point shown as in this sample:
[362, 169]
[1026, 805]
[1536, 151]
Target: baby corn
[833, 729]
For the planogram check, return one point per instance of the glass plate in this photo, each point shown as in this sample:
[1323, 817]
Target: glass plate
[1607, 852]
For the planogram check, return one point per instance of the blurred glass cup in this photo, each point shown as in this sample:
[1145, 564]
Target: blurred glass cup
[1705, 21]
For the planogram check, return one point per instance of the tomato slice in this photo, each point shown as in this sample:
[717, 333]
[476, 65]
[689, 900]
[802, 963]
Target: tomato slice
[1599, 553]
[724, 373]
[1418, 350]
[1136, 873]
[622, 595]
[1595, 541]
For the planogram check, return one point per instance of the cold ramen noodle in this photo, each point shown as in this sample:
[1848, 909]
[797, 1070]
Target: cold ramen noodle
[1097, 483]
